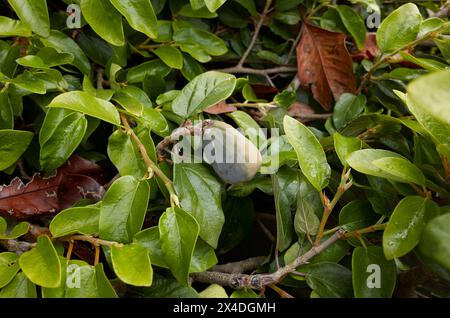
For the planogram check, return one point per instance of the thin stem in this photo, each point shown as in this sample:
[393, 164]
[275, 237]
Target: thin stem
[94, 241]
[329, 206]
[446, 165]
[369, 229]
[281, 292]
[255, 35]
[262, 72]
[69, 250]
[152, 168]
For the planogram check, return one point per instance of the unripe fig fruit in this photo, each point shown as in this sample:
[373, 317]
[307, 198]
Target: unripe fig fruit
[233, 157]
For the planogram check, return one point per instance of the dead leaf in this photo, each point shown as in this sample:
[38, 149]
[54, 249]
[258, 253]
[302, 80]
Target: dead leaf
[325, 64]
[220, 108]
[370, 50]
[78, 178]
[299, 110]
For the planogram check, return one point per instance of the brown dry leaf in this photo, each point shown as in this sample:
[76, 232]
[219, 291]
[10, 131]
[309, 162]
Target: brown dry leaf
[220, 108]
[78, 178]
[298, 110]
[370, 50]
[325, 64]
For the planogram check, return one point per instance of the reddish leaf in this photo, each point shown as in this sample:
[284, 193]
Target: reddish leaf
[370, 50]
[299, 110]
[78, 178]
[264, 91]
[220, 108]
[325, 64]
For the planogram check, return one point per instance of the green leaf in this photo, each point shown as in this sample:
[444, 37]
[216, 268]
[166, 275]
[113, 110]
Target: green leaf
[406, 225]
[250, 127]
[203, 257]
[285, 188]
[42, 265]
[11, 27]
[362, 161]
[373, 275]
[30, 82]
[347, 108]
[19, 287]
[123, 209]
[354, 24]
[344, 146]
[329, 280]
[244, 293]
[428, 64]
[13, 144]
[127, 98]
[34, 14]
[434, 243]
[399, 29]
[132, 265]
[171, 56]
[309, 208]
[64, 44]
[137, 74]
[310, 154]
[9, 266]
[178, 231]
[402, 169]
[56, 148]
[18, 230]
[139, 14]
[200, 194]
[213, 291]
[104, 19]
[428, 99]
[46, 58]
[6, 111]
[125, 155]
[81, 220]
[203, 91]
[87, 104]
[213, 5]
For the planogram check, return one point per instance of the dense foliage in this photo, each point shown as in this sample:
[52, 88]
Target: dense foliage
[349, 195]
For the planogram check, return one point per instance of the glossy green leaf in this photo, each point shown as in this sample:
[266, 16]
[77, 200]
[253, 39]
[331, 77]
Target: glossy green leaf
[87, 104]
[330, 280]
[77, 220]
[203, 257]
[13, 144]
[310, 154]
[42, 265]
[249, 127]
[137, 74]
[309, 209]
[6, 111]
[203, 91]
[347, 108]
[213, 5]
[11, 27]
[56, 147]
[9, 266]
[401, 168]
[200, 194]
[17, 231]
[171, 56]
[139, 14]
[344, 146]
[354, 24]
[406, 225]
[123, 209]
[34, 14]
[132, 265]
[104, 19]
[399, 29]
[434, 242]
[178, 231]
[361, 161]
[64, 44]
[373, 275]
[213, 291]
[19, 287]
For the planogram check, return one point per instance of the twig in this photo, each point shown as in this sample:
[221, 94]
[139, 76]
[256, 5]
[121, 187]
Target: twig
[446, 166]
[240, 267]
[255, 35]
[17, 246]
[369, 229]
[263, 72]
[265, 230]
[260, 281]
[281, 292]
[152, 168]
[444, 11]
[344, 185]
[94, 241]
